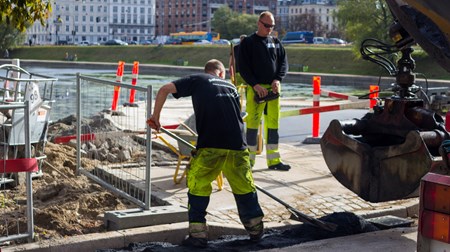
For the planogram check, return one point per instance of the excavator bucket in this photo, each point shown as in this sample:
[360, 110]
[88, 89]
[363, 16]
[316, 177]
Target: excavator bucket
[376, 173]
[383, 156]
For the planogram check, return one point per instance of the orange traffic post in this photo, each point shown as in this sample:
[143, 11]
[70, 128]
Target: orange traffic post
[373, 95]
[134, 77]
[316, 103]
[119, 75]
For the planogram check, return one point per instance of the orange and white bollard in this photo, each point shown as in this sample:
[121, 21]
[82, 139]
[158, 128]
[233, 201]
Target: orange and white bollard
[373, 95]
[315, 139]
[134, 77]
[119, 75]
[316, 103]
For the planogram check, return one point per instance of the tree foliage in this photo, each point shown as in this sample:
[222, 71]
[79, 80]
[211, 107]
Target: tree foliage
[9, 36]
[231, 24]
[362, 19]
[16, 16]
[23, 13]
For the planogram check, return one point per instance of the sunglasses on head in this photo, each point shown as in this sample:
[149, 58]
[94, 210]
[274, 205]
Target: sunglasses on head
[266, 25]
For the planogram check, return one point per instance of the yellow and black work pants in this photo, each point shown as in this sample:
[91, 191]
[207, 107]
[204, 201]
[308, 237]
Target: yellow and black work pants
[271, 110]
[206, 165]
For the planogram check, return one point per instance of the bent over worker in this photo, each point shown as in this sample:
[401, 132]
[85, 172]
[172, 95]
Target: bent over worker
[263, 65]
[221, 146]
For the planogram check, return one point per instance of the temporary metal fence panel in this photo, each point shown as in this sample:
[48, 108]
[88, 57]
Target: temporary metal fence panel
[8, 199]
[114, 146]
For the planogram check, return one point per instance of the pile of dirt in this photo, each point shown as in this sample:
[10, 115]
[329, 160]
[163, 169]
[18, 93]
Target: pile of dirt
[64, 204]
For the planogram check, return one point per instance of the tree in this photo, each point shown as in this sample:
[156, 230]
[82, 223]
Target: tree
[361, 19]
[231, 24]
[242, 24]
[220, 19]
[16, 16]
[23, 13]
[9, 36]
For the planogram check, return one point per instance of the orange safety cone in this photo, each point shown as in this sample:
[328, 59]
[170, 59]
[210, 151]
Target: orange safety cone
[119, 75]
[134, 77]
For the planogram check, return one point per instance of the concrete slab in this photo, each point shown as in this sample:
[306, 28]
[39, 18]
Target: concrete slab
[131, 218]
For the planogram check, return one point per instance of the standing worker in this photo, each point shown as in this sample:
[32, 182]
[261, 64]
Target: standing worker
[263, 65]
[235, 76]
[221, 146]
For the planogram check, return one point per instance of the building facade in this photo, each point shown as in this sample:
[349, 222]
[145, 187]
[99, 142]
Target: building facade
[195, 15]
[323, 10]
[96, 21]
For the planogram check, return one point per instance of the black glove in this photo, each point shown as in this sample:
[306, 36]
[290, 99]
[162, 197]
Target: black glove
[270, 96]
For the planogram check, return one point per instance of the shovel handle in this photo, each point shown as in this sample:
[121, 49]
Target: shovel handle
[299, 215]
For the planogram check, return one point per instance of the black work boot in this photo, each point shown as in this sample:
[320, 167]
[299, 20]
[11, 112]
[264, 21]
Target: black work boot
[255, 229]
[198, 236]
[280, 166]
[195, 242]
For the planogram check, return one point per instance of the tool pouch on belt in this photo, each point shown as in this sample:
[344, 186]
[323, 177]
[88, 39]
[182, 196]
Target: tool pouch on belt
[270, 96]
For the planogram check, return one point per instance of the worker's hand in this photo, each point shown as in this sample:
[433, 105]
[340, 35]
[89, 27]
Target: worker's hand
[276, 86]
[260, 91]
[154, 123]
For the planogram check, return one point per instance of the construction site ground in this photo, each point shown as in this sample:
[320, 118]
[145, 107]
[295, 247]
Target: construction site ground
[309, 187]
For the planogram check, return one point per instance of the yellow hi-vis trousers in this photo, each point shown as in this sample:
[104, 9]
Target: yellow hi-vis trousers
[271, 110]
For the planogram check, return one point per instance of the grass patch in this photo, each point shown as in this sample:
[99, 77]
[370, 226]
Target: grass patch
[318, 59]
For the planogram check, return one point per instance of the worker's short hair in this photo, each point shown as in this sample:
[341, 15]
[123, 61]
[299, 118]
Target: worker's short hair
[265, 13]
[212, 65]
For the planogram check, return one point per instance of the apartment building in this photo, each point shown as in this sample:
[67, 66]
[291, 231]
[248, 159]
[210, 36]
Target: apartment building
[96, 21]
[195, 15]
[288, 10]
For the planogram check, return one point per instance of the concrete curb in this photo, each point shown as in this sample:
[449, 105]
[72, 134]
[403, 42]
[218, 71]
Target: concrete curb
[408, 210]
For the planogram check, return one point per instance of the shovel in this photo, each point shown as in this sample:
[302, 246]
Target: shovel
[297, 214]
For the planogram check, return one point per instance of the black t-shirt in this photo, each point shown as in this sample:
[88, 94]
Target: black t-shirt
[217, 111]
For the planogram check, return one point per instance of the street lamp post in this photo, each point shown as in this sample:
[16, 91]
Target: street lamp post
[73, 36]
[58, 23]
